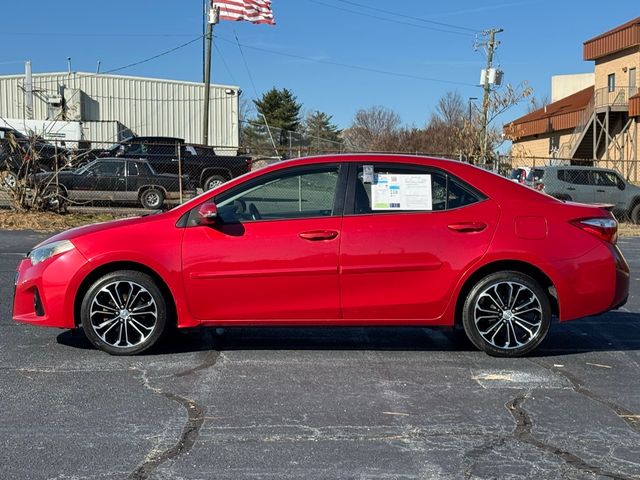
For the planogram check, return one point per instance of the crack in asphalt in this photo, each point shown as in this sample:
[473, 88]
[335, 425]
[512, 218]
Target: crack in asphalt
[629, 417]
[522, 432]
[191, 428]
[190, 432]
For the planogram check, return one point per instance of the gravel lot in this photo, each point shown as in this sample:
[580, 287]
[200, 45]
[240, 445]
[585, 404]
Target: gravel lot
[317, 403]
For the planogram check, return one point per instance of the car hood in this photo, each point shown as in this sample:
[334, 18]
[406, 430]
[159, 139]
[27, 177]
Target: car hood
[100, 227]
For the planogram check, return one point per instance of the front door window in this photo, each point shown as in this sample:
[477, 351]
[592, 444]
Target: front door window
[293, 195]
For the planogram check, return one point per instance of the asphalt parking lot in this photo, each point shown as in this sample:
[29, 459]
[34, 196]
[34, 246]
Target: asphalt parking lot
[382, 403]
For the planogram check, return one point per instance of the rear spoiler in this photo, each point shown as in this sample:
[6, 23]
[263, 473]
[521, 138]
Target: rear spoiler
[606, 206]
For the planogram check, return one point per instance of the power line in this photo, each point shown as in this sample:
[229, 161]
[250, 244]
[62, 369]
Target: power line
[224, 62]
[400, 22]
[346, 65]
[93, 34]
[166, 52]
[246, 65]
[117, 69]
[419, 19]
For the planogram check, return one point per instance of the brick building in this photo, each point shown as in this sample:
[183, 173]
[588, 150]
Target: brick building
[595, 124]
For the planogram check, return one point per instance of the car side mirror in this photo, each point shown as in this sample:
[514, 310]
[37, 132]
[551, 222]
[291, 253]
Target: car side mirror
[207, 214]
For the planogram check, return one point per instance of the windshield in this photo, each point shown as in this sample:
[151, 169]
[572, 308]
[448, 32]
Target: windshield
[535, 174]
[515, 173]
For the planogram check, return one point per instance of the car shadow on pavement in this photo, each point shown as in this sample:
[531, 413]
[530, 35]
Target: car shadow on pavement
[614, 331]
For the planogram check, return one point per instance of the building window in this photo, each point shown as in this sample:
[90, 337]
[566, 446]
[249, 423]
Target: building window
[611, 82]
[632, 80]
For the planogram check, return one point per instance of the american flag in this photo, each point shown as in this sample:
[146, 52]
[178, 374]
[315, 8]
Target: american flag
[254, 11]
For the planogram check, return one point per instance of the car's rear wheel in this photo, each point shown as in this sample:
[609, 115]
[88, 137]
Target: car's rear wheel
[213, 181]
[124, 313]
[635, 214]
[152, 198]
[507, 314]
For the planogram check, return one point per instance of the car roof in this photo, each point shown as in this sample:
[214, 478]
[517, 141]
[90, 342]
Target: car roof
[121, 159]
[574, 167]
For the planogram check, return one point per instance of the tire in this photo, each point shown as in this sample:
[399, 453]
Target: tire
[635, 213]
[506, 314]
[213, 181]
[152, 198]
[124, 313]
[53, 198]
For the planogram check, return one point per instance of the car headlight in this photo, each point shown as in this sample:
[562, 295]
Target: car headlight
[49, 250]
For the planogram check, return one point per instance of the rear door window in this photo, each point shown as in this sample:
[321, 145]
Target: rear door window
[429, 189]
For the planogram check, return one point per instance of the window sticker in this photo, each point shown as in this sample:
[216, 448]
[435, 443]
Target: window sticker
[401, 192]
[367, 174]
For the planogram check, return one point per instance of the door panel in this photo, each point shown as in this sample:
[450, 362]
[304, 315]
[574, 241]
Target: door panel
[404, 266]
[273, 254]
[262, 270]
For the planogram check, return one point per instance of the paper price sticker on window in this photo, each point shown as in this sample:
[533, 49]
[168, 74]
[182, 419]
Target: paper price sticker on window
[401, 192]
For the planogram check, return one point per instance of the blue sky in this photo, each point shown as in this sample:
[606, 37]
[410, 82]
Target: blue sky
[540, 39]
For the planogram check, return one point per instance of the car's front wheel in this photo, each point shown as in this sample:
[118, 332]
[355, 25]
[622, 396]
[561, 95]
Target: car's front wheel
[507, 314]
[53, 198]
[124, 313]
[8, 180]
[152, 198]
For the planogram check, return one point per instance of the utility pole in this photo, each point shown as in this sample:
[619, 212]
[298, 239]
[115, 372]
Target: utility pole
[28, 90]
[491, 45]
[214, 13]
[471, 99]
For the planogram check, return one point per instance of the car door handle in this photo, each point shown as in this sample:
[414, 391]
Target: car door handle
[570, 188]
[317, 235]
[600, 191]
[467, 227]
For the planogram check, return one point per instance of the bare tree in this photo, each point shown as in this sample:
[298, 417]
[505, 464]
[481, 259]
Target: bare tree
[373, 129]
[450, 110]
[537, 103]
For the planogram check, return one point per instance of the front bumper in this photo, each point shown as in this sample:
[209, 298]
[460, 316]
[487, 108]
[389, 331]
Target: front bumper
[44, 293]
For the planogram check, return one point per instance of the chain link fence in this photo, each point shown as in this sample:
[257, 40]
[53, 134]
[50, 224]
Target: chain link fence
[144, 172]
[158, 172]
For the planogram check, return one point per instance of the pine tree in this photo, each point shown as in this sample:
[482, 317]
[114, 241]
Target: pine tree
[282, 113]
[320, 134]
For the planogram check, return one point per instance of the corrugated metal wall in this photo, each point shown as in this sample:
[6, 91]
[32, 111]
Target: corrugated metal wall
[145, 106]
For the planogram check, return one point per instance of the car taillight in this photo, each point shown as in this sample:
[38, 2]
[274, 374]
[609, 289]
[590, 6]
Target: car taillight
[604, 228]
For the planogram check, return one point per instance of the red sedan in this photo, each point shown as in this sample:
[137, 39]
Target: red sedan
[336, 240]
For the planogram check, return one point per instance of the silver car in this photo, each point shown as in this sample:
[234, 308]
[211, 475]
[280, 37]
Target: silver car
[589, 185]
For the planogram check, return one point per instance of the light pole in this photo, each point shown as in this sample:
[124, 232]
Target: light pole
[471, 99]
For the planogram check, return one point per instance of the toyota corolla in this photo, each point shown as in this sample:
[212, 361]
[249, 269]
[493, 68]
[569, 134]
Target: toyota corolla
[345, 240]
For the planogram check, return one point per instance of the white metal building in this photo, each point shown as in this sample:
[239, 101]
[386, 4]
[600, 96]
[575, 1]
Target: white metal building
[108, 108]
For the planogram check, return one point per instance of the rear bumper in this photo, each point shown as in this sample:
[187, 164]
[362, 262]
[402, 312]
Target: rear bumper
[593, 284]
[623, 275]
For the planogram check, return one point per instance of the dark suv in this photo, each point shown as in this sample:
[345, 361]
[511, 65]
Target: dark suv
[589, 185]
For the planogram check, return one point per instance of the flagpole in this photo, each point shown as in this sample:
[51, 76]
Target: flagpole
[214, 14]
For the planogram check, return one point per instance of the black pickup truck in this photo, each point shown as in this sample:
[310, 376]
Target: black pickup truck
[199, 162]
[21, 155]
